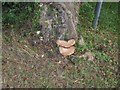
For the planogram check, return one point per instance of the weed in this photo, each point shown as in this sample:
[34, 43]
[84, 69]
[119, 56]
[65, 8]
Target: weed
[103, 38]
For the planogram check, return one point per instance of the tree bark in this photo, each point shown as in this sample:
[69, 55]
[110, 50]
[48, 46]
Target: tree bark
[59, 21]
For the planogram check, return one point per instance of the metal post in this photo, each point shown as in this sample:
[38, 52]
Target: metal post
[97, 13]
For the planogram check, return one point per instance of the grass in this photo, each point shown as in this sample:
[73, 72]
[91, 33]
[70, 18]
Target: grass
[102, 42]
[19, 13]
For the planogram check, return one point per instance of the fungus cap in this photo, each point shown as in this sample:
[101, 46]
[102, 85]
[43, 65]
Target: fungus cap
[66, 44]
[67, 51]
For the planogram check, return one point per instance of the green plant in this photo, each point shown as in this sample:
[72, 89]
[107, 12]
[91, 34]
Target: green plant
[16, 12]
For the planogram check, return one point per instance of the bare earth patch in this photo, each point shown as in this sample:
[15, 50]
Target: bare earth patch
[25, 65]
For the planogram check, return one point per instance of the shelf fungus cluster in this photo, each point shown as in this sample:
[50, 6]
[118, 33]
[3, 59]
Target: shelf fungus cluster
[66, 48]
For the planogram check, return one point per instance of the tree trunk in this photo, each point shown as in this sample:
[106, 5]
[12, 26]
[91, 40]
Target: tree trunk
[59, 21]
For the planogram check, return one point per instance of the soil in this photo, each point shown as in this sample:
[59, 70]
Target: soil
[26, 64]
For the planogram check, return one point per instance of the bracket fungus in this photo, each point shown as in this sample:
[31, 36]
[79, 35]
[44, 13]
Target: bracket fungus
[67, 51]
[66, 44]
[66, 48]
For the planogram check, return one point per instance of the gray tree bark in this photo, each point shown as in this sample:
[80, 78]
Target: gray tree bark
[59, 21]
